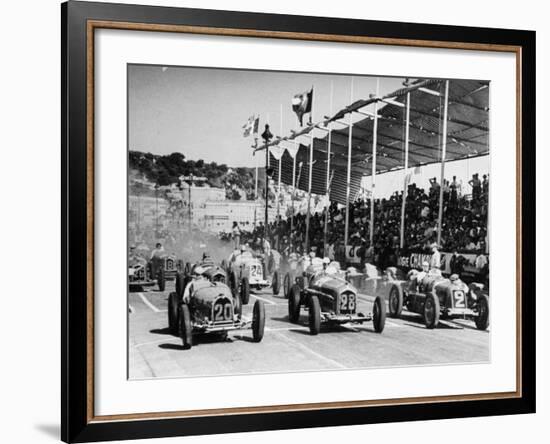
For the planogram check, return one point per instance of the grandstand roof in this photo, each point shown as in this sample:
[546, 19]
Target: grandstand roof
[467, 135]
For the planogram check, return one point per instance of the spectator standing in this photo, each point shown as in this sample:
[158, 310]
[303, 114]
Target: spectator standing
[475, 183]
[435, 260]
[236, 234]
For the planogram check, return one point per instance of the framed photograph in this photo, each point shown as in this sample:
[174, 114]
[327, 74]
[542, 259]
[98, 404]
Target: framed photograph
[275, 221]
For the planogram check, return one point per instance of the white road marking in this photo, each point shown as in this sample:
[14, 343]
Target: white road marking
[313, 352]
[146, 302]
[267, 301]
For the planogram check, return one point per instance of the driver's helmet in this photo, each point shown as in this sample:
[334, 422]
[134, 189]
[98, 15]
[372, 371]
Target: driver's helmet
[198, 271]
[243, 248]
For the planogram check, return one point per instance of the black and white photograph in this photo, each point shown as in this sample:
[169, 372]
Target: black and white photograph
[285, 221]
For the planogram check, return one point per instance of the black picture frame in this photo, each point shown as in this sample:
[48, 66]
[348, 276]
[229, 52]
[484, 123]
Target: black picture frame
[77, 425]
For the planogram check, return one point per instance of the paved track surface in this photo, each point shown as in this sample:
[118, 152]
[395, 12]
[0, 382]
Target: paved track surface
[286, 347]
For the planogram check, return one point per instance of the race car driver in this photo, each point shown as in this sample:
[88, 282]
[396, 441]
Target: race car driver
[198, 277]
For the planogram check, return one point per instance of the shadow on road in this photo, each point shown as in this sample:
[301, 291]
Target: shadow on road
[161, 331]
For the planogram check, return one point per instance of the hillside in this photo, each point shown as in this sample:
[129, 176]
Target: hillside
[163, 170]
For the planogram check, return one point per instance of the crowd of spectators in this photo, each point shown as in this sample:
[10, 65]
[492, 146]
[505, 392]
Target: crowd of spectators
[464, 227]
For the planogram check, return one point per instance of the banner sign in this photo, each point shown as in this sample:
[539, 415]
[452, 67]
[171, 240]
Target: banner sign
[414, 259]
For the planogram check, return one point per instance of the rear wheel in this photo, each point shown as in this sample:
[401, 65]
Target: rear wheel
[180, 284]
[379, 314]
[286, 285]
[233, 283]
[161, 279]
[237, 306]
[258, 321]
[482, 319]
[275, 285]
[395, 301]
[173, 303]
[431, 311]
[314, 315]
[294, 304]
[245, 291]
[185, 328]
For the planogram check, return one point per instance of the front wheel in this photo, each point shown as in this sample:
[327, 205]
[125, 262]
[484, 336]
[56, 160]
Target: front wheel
[379, 315]
[173, 311]
[258, 321]
[431, 311]
[314, 315]
[294, 304]
[482, 319]
[185, 327]
[395, 301]
[275, 285]
[245, 291]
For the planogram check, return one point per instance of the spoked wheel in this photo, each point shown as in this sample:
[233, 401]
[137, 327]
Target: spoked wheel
[258, 321]
[185, 327]
[237, 306]
[431, 311]
[482, 319]
[379, 314]
[395, 301]
[294, 304]
[314, 315]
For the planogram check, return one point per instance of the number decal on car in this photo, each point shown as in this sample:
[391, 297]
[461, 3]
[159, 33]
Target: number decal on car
[347, 303]
[460, 299]
[223, 312]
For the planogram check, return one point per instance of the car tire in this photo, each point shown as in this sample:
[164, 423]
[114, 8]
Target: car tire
[161, 279]
[314, 315]
[180, 284]
[258, 321]
[185, 327]
[173, 311]
[233, 283]
[482, 319]
[431, 311]
[379, 314]
[275, 284]
[294, 304]
[237, 306]
[286, 285]
[395, 301]
[245, 291]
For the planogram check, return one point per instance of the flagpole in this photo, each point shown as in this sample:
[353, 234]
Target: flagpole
[405, 171]
[279, 175]
[306, 249]
[348, 172]
[255, 190]
[293, 189]
[373, 175]
[329, 179]
[443, 154]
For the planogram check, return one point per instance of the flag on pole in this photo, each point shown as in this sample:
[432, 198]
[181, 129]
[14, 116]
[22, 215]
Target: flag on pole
[292, 150]
[251, 126]
[277, 151]
[301, 104]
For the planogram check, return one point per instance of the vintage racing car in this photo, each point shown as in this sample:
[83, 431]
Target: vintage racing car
[171, 266]
[213, 273]
[432, 296]
[330, 299]
[211, 308]
[142, 274]
[246, 272]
